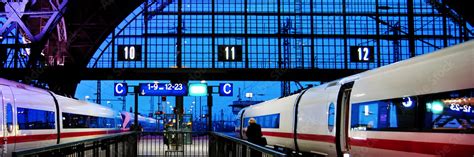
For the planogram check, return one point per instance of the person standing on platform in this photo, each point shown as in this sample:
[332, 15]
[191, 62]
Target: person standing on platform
[254, 132]
[254, 135]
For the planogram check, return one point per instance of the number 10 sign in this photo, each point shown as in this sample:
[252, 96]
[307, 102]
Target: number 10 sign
[129, 53]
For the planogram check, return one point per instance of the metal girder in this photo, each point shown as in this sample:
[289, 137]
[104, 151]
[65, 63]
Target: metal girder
[294, 14]
[159, 9]
[386, 37]
[251, 74]
[15, 11]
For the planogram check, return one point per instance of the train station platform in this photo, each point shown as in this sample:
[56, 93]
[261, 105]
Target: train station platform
[173, 144]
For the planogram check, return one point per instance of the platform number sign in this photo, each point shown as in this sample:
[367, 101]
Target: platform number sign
[229, 53]
[120, 89]
[362, 53]
[129, 53]
[226, 89]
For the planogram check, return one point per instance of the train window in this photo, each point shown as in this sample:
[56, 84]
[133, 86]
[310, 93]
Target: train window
[450, 111]
[71, 120]
[331, 114]
[9, 116]
[266, 121]
[118, 121]
[393, 114]
[30, 119]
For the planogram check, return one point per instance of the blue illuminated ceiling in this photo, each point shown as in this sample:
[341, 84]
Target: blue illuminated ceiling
[299, 34]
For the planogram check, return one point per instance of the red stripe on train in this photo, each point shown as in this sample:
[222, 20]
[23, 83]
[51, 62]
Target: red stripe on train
[43, 137]
[31, 138]
[443, 149]
[278, 134]
[311, 137]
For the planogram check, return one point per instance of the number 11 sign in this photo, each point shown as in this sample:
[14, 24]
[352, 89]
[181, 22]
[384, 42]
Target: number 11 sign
[229, 53]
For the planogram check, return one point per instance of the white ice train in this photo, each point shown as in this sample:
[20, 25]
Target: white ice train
[422, 106]
[33, 117]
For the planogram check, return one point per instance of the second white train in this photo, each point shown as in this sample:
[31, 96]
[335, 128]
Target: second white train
[422, 106]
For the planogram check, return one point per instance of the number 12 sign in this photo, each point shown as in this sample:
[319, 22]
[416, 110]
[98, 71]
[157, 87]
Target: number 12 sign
[362, 53]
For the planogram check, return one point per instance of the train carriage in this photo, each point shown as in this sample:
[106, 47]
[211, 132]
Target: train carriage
[418, 107]
[33, 118]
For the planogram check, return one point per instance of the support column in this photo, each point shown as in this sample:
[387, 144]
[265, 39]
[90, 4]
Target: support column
[377, 29]
[312, 35]
[246, 32]
[135, 121]
[179, 57]
[17, 49]
[113, 50]
[279, 35]
[445, 29]
[344, 17]
[209, 108]
[179, 111]
[411, 29]
[213, 35]
[145, 20]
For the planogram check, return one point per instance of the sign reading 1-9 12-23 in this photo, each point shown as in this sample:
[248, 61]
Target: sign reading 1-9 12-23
[129, 53]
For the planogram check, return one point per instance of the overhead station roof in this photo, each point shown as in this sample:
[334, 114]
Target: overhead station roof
[90, 22]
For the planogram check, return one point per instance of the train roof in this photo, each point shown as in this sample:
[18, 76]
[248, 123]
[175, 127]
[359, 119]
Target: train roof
[22, 86]
[82, 107]
[466, 47]
[460, 48]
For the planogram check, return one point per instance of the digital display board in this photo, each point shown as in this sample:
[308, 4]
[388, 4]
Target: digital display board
[362, 53]
[229, 53]
[197, 89]
[163, 89]
[129, 53]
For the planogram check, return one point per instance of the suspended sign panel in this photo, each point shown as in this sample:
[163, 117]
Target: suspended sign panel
[129, 53]
[197, 89]
[229, 53]
[163, 89]
[120, 89]
[226, 89]
[362, 53]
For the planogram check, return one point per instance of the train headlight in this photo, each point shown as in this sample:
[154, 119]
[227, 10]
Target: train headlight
[346, 155]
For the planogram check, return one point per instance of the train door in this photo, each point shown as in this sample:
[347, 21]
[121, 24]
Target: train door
[241, 126]
[2, 130]
[8, 129]
[342, 120]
